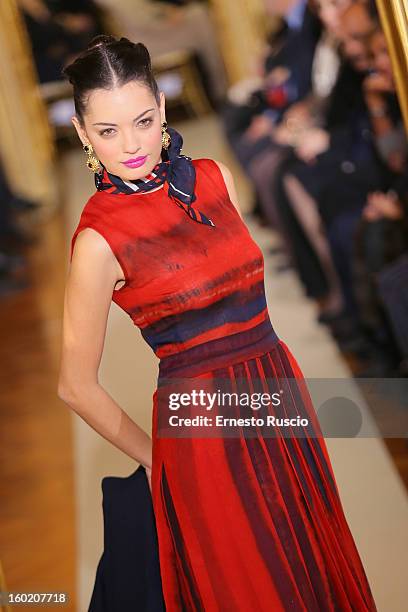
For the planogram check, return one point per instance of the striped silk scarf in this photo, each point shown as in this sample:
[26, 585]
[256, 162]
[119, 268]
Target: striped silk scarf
[178, 171]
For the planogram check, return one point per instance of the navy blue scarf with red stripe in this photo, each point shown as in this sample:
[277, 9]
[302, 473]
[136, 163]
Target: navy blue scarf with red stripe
[178, 171]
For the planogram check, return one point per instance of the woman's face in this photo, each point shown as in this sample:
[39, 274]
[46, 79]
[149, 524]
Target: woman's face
[123, 126]
[381, 58]
[330, 12]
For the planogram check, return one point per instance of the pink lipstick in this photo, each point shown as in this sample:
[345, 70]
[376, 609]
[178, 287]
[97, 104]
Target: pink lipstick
[135, 162]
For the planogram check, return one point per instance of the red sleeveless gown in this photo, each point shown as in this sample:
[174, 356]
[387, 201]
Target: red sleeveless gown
[244, 523]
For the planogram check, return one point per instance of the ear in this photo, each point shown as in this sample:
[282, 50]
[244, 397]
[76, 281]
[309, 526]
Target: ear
[162, 106]
[80, 130]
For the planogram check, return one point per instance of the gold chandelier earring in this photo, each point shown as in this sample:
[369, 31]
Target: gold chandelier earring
[92, 162]
[166, 138]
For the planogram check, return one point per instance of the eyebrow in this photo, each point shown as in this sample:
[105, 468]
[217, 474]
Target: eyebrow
[136, 118]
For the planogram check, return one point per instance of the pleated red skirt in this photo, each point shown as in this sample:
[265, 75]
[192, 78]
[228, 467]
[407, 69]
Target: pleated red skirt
[252, 523]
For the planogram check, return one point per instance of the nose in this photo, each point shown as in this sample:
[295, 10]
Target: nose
[130, 142]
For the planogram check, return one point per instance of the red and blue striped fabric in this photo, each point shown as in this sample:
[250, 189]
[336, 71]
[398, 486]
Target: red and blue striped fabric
[244, 523]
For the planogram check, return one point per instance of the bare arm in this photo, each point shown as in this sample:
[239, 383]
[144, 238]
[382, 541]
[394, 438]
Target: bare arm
[230, 184]
[92, 276]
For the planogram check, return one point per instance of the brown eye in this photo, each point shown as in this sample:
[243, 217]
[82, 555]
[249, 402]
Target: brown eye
[106, 132]
[145, 122]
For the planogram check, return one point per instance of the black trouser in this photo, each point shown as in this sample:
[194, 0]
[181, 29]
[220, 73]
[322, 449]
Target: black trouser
[305, 258]
[335, 190]
[378, 244]
[341, 233]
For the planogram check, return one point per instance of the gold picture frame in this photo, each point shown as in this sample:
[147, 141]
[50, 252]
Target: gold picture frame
[394, 20]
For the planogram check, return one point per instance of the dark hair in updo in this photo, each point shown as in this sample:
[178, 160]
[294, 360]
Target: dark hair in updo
[108, 62]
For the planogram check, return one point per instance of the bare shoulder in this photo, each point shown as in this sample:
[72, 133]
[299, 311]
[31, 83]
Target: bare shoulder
[92, 249]
[230, 184]
[90, 240]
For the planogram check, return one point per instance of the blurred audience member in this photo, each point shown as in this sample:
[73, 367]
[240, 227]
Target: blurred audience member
[301, 116]
[333, 169]
[58, 30]
[250, 115]
[174, 26]
[12, 238]
[392, 283]
[365, 244]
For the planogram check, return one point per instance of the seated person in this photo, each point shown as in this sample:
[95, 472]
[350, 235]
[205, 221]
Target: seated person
[58, 30]
[13, 265]
[286, 79]
[364, 244]
[333, 168]
[301, 116]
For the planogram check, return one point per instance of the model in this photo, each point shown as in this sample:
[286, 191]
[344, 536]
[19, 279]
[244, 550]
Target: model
[244, 522]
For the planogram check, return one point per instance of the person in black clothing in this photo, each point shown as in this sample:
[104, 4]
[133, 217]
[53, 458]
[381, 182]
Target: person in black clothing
[301, 116]
[365, 244]
[287, 77]
[58, 30]
[12, 238]
[337, 165]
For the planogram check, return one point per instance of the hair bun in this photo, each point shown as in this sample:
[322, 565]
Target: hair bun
[106, 62]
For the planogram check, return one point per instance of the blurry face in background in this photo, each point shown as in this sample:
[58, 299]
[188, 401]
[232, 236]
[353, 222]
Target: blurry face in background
[124, 127]
[355, 31]
[330, 12]
[380, 56]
